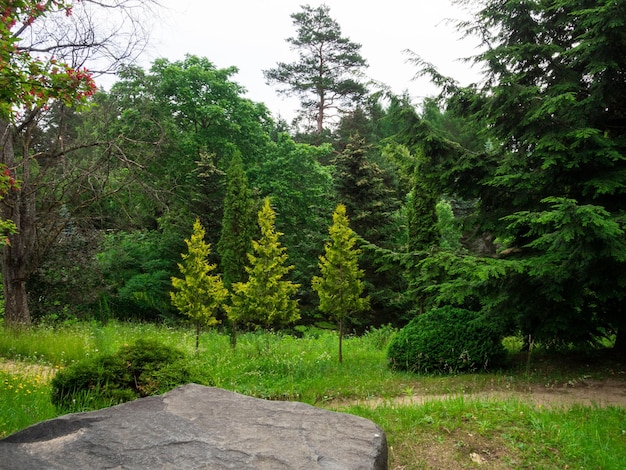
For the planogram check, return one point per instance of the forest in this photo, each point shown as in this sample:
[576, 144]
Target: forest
[172, 197]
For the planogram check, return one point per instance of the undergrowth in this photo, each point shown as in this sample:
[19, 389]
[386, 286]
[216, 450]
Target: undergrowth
[454, 433]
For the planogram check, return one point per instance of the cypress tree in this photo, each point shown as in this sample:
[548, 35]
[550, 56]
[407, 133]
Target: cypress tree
[198, 293]
[340, 286]
[266, 298]
[236, 238]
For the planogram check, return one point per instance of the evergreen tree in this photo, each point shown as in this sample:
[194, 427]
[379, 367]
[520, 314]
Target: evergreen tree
[266, 298]
[372, 207]
[198, 294]
[361, 185]
[236, 238]
[551, 188]
[324, 75]
[421, 211]
[340, 285]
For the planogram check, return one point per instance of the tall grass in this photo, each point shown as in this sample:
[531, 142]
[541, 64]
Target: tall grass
[24, 398]
[455, 433]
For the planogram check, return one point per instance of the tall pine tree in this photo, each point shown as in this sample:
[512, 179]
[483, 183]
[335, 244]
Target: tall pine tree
[266, 299]
[340, 285]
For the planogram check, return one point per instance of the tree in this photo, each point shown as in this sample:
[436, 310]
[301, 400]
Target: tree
[198, 294]
[326, 75]
[236, 239]
[553, 100]
[266, 298]
[44, 49]
[301, 190]
[369, 195]
[340, 286]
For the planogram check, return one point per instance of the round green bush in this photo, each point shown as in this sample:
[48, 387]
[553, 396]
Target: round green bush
[446, 340]
[144, 368]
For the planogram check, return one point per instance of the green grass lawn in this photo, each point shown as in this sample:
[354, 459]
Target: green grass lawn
[460, 432]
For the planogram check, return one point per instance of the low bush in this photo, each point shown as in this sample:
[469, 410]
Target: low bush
[144, 368]
[446, 340]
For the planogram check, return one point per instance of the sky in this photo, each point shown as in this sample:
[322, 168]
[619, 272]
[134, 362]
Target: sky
[251, 35]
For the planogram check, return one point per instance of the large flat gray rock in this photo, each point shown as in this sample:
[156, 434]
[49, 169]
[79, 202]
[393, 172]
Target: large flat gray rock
[197, 427]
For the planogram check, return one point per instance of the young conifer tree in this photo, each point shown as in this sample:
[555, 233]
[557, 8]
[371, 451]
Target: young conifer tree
[198, 293]
[340, 285]
[266, 299]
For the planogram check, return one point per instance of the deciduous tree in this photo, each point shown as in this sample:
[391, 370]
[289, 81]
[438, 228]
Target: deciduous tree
[44, 48]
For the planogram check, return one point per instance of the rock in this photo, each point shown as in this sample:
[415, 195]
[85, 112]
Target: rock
[199, 427]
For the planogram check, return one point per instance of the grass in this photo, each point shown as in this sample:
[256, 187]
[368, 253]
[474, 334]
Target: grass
[458, 432]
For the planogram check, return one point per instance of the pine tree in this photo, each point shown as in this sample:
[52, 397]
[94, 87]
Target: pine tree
[340, 286]
[266, 298]
[326, 74]
[198, 294]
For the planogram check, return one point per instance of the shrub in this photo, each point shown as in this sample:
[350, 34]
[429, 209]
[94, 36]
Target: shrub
[144, 368]
[446, 340]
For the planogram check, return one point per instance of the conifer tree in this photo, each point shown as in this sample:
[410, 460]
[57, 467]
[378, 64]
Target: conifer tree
[340, 286]
[198, 293]
[423, 232]
[326, 75]
[266, 299]
[236, 239]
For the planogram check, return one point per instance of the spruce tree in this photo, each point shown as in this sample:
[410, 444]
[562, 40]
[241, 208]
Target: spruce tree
[266, 299]
[340, 286]
[198, 293]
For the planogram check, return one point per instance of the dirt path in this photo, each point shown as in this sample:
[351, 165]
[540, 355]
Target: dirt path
[609, 392]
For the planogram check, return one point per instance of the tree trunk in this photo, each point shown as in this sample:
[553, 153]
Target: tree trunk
[340, 341]
[19, 207]
[320, 112]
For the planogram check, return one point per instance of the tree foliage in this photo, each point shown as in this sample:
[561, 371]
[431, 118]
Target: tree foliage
[325, 77]
[44, 48]
[266, 299]
[549, 186]
[198, 294]
[340, 286]
[237, 224]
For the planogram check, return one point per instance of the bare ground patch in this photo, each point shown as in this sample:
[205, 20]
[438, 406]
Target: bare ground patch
[609, 392]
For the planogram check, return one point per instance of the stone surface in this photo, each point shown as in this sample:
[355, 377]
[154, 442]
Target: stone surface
[195, 427]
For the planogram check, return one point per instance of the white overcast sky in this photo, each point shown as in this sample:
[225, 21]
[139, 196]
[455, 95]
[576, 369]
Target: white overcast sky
[251, 35]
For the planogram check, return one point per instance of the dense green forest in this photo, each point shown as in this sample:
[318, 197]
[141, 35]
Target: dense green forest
[504, 198]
